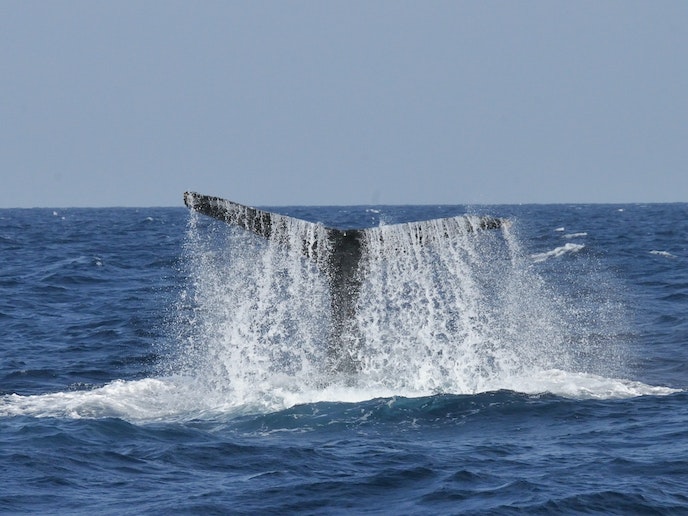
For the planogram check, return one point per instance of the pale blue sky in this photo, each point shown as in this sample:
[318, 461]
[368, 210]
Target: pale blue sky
[129, 103]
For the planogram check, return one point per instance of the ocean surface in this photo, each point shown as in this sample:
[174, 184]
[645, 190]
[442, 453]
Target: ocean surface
[155, 361]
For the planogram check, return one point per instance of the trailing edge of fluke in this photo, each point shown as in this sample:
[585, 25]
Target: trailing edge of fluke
[340, 255]
[261, 222]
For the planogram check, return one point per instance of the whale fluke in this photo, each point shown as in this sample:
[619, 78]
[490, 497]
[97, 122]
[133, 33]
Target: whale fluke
[339, 256]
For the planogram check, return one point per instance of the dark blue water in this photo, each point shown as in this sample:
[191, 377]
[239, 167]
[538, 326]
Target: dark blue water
[139, 371]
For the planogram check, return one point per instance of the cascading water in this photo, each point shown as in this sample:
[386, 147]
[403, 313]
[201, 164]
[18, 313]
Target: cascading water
[256, 309]
[446, 314]
[440, 309]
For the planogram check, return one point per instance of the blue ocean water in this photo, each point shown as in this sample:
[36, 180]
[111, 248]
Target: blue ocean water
[158, 362]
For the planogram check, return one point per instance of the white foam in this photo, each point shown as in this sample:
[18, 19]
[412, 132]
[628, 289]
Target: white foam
[568, 248]
[184, 399]
[147, 399]
[666, 254]
[579, 385]
[575, 235]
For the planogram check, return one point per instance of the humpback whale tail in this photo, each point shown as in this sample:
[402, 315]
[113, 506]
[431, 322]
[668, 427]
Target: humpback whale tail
[338, 254]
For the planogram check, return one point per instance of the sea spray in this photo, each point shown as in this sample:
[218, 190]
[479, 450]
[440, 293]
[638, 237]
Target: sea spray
[253, 312]
[441, 308]
[457, 313]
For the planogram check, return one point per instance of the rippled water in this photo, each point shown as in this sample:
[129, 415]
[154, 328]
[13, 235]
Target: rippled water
[154, 361]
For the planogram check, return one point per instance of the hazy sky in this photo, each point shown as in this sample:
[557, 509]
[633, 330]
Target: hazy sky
[129, 103]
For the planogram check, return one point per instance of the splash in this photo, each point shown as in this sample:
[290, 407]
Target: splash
[461, 315]
[254, 309]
